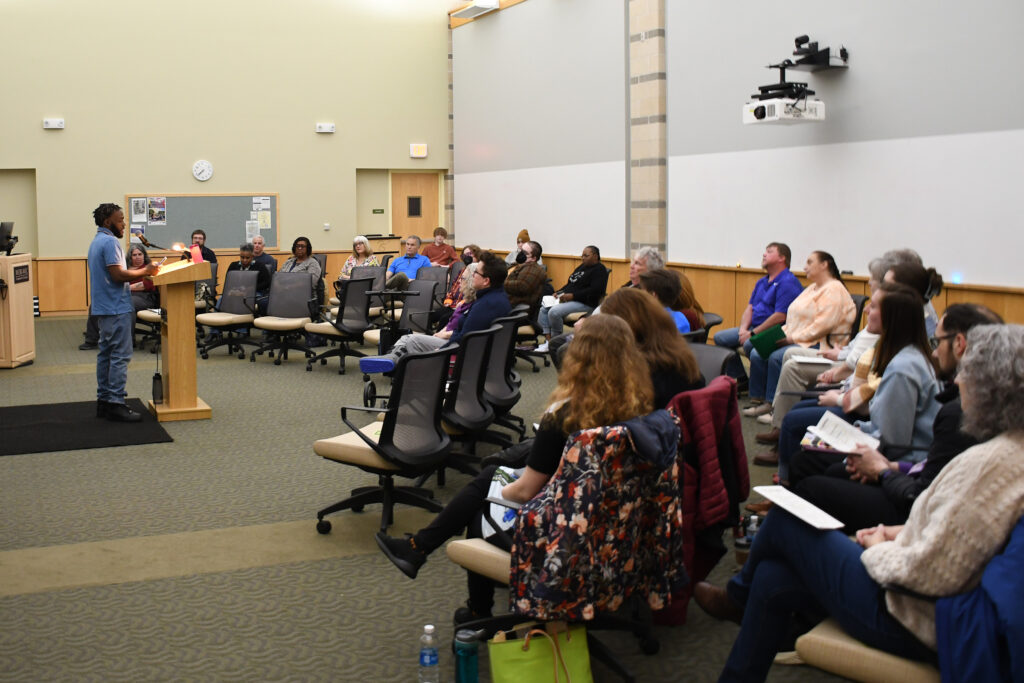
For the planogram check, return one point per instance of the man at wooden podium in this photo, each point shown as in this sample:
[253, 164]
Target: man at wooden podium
[112, 306]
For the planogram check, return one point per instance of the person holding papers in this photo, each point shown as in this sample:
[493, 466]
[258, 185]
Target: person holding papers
[955, 527]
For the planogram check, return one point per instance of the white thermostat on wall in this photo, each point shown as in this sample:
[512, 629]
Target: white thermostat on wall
[202, 170]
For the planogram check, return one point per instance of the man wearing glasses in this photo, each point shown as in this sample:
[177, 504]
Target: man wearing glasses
[491, 303]
[404, 268]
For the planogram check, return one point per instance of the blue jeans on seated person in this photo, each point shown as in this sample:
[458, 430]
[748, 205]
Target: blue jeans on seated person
[794, 567]
[550, 319]
[115, 342]
[730, 339]
[764, 374]
[804, 414]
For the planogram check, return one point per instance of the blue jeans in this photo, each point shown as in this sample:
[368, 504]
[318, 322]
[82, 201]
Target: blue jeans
[730, 339]
[764, 374]
[112, 360]
[794, 426]
[794, 567]
[550, 319]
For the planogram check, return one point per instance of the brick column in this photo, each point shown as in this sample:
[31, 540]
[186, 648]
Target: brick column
[647, 108]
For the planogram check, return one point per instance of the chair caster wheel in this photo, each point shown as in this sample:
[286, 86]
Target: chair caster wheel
[536, 369]
[650, 646]
[323, 526]
[369, 394]
[323, 361]
[205, 356]
[241, 355]
[357, 508]
[252, 358]
[277, 361]
[309, 368]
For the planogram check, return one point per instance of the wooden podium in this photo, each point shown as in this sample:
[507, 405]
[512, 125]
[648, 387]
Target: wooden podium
[178, 342]
[17, 327]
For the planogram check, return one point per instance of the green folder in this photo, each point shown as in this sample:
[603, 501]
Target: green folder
[764, 341]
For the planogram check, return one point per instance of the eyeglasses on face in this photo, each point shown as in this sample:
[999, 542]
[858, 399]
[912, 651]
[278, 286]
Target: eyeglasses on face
[935, 341]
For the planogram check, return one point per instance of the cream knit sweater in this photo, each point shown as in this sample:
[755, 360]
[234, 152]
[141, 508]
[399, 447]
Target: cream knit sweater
[955, 527]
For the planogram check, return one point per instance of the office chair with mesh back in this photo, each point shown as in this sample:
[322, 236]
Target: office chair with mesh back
[501, 385]
[347, 325]
[408, 443]
[713, 360]
[291, 306]
[236, 311]
[438, 274]
[843, 338]
[415, 315]
[378, 275]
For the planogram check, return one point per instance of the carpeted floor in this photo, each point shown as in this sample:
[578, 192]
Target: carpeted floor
[198, 559]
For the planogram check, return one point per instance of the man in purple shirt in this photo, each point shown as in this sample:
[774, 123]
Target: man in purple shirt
[768, 304]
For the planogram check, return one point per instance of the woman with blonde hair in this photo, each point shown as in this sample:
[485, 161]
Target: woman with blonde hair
[603, 361]
[672, 364]
[362, 255]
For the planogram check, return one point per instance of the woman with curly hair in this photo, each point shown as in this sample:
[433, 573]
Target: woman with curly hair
[955, 527]
[603, 361]
[672, 364]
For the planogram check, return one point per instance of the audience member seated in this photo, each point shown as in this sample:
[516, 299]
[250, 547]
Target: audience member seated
[767, 306]
[144, 292]
[262, 258]
[687, 303]
[902, 404]
[302, 261]
[522, 238]
[440, 253]
[491, 303]
[470, 254]
[404, 268]
[247, 261]
[882, 491]
[955, 527]
[824, 308]
[664, 286]
[199, 239]
[466, 299]
[582, 293]
[525, 281]
[897, 256]
[673, 366]
[603, 361]
[362, 255]
[644, 259]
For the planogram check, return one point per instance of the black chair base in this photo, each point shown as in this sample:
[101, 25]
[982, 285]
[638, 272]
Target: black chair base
[280, 343]
[528, 356]
[340, 351]
[230, 338]
[385, 493]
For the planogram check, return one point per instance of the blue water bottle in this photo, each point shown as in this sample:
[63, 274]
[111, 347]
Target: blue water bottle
[467, 668]
[429, 669]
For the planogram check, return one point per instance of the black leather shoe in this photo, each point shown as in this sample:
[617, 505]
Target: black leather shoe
[88, 346]
[467, 614]
[101, 408]
[716, 602]
[119, 412]
[401, 553]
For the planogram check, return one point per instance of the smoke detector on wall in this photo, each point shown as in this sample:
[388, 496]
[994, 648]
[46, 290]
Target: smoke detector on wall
[475, 9]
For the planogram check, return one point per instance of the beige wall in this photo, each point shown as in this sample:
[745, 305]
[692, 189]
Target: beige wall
[148, 88]
[18, 204]
[372, 193]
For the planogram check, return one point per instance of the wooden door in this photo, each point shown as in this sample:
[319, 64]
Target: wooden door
[414, 209]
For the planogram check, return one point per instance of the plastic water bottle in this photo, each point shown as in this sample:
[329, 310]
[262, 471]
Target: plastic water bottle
[753, 527]
[429, 669]
[467, 667]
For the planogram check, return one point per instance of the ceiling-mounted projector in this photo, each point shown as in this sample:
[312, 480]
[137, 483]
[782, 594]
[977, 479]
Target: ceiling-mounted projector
[784, 110]
[475, 9]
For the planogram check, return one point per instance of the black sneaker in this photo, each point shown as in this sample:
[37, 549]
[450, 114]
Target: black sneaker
[401, 553]
[464, 615]
[88, 346]
[119, 412]
[101, 408]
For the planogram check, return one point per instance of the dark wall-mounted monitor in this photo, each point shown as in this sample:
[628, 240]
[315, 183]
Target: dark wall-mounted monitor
[7, 239]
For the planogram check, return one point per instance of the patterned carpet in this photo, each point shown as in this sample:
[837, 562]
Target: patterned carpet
[223, 518]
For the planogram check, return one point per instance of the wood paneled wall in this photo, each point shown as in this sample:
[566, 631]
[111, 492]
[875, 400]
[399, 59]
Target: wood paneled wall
[62, 285]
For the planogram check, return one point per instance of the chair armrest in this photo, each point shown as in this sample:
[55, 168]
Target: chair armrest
[505, 503]
[499, 532]
[357, 430]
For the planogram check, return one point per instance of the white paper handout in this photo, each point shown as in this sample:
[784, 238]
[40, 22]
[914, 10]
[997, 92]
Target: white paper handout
[797, 506]
[504, 517]
[840, 434]
[549, 301]
[812, 360]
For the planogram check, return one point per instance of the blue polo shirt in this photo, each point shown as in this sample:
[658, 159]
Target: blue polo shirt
[108, 297]
[409, 266]
[773, 296]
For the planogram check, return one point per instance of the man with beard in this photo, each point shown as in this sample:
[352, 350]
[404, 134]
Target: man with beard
[115, 315]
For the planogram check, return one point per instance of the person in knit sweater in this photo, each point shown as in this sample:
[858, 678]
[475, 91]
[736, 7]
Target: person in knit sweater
[955, 527]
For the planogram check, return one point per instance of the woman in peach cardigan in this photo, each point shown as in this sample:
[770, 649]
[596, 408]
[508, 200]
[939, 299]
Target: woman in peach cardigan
[824, 307]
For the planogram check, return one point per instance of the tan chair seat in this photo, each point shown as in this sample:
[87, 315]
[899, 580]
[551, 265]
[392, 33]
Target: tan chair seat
[326, 329]
[200, 304]
[828, 647]
[334, 301]
[275, 324]
[379, 310]
[217, 319]
[351, 449]
[573, 317]
[481, 557]
[372, 337]
[148, 316]
[526, 330]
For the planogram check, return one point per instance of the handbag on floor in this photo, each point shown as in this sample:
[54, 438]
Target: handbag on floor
[551, 652]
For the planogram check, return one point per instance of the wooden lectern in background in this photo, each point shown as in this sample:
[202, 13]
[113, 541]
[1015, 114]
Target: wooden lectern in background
[178, 342]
